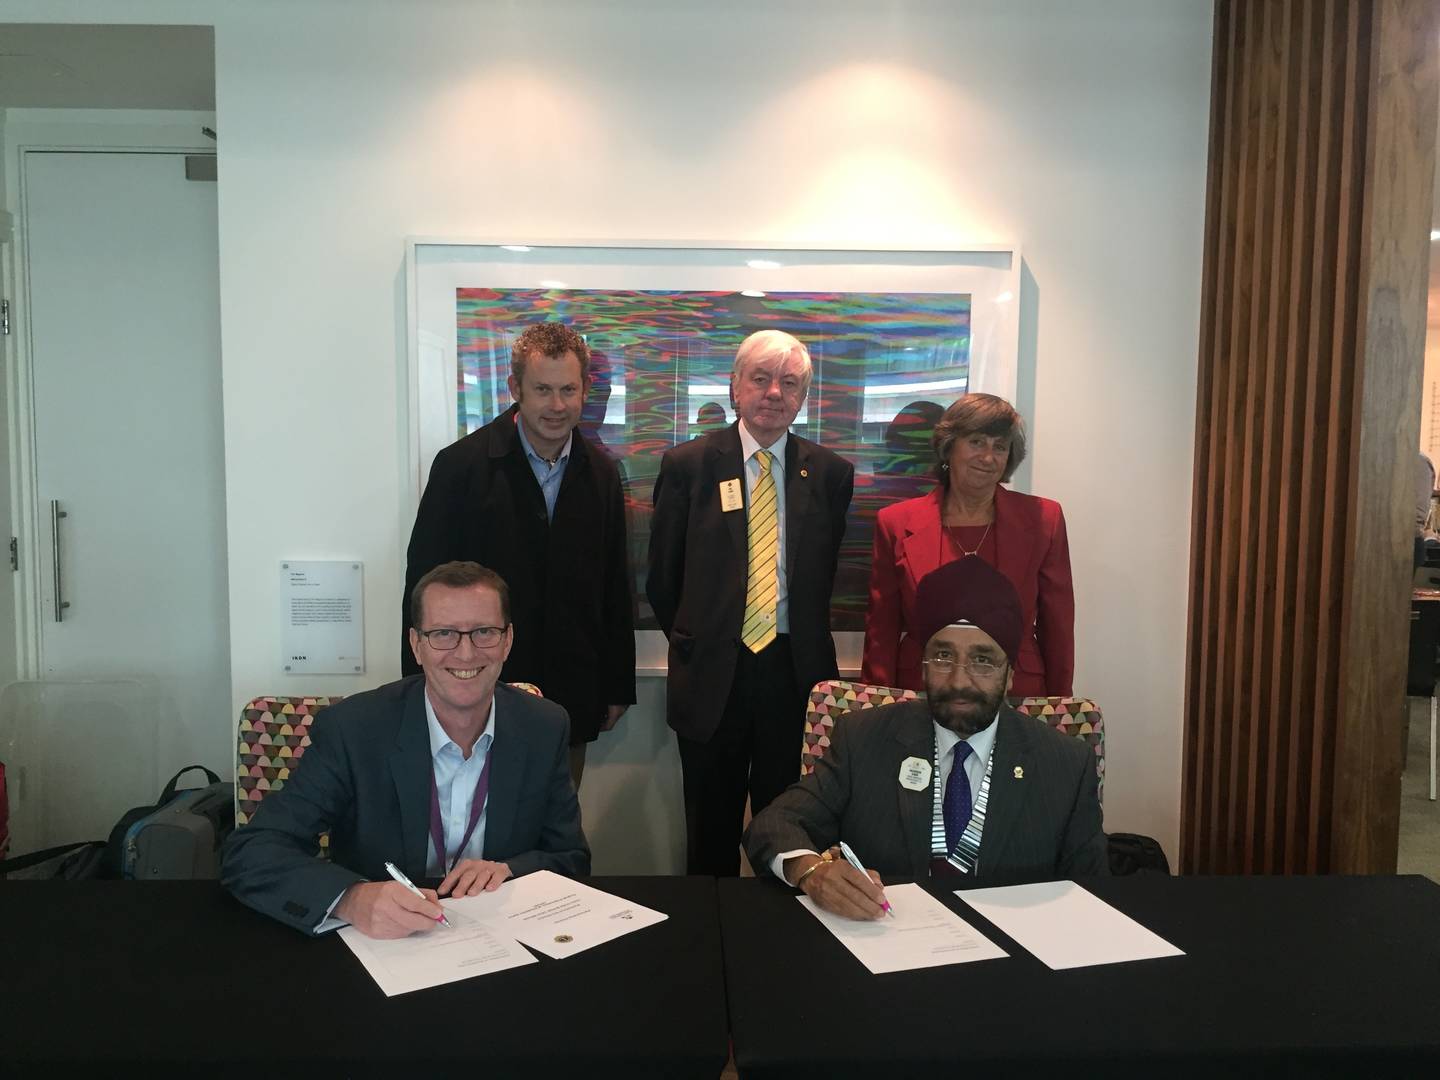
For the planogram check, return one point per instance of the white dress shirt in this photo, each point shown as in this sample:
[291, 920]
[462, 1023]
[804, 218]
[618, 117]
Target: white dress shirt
[982, 744]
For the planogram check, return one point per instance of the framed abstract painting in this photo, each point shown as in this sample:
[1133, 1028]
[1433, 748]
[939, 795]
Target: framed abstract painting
[894, 336]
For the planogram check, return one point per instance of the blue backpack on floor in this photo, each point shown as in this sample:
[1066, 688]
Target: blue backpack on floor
[179, 837]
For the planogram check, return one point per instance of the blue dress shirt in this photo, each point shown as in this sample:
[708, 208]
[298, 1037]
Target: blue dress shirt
[455, 780]
[546, 475]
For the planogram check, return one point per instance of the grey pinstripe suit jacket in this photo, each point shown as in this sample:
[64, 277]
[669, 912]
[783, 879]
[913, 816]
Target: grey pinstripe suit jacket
[1043, 820]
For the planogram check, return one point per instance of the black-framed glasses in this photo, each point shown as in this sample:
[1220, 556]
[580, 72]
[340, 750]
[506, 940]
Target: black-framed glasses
[445, 638]
[982, 667]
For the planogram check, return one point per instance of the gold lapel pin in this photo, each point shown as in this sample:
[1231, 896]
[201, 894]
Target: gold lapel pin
[804, 474]
[1019, 773]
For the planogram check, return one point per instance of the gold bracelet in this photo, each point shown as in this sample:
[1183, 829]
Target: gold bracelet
[810, 870]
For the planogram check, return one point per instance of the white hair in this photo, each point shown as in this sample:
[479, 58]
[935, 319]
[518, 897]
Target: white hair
[767, 344]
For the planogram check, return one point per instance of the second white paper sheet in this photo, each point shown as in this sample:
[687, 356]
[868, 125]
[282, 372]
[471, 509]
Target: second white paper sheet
[464, 950]
[922, 933]
[1065, 926]
[555, 915]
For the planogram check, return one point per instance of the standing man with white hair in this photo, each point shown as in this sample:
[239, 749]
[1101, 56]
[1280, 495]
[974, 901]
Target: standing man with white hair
[743, 547]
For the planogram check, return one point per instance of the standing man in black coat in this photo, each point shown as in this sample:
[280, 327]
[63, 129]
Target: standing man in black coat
[743, 547]
[530, 498]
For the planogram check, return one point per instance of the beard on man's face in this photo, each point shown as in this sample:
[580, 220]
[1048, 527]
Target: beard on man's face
[965, 709]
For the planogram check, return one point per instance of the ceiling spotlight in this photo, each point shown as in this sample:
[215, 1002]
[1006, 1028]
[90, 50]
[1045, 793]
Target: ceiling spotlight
[521, 248]
[1435, 234]
[551, 283]
[762, 264]
[752, 292]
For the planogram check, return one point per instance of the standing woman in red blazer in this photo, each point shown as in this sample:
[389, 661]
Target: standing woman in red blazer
[979, 443]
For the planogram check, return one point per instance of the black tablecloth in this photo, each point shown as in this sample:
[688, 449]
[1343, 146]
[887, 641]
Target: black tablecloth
[1321, 976]
[124, 975]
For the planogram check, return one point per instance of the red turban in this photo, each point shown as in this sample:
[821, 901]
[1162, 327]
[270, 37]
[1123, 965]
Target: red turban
[971, 591]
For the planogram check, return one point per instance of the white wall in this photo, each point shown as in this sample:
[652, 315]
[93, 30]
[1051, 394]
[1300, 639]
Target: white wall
[1075, 129]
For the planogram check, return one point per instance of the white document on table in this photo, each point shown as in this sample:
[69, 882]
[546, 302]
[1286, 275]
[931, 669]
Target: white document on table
[556, 915]
[1065, 926]
[466, 949]
[920, 932]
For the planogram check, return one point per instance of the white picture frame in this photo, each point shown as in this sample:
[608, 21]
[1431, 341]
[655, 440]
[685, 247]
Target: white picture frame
[436, 268]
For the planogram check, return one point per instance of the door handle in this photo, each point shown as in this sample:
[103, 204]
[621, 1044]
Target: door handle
[56, 514]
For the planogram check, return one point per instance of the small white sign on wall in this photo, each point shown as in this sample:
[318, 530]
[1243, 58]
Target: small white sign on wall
[322, 617]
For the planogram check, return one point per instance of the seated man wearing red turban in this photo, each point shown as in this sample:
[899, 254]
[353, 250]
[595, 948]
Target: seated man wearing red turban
[958, 783]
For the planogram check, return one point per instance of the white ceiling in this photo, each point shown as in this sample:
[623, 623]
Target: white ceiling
[106, 67]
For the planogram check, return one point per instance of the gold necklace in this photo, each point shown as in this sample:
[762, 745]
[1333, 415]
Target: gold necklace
[954, 539]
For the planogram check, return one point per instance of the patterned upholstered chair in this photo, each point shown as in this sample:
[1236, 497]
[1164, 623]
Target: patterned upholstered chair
[1080, 717]
[274, 734]
[833, 698]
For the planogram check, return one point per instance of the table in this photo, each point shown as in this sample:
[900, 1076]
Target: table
[1299, 976]
[120, 976]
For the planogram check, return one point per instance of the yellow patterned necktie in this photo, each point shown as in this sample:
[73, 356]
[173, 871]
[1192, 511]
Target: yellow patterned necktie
[762, 588]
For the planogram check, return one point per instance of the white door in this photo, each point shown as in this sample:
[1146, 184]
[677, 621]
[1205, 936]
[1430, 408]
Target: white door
[123, 297]
[8, 652]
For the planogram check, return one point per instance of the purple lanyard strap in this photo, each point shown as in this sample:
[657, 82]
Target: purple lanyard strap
[477, 806]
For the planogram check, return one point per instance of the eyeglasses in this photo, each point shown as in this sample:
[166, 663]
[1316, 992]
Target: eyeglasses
[446, 638]
[980, 668]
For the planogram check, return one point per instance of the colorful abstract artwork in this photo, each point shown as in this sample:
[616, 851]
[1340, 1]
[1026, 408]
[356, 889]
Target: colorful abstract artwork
[886, 365]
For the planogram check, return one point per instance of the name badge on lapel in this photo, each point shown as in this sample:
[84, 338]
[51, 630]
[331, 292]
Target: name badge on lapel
[915, 774]
[731, 497]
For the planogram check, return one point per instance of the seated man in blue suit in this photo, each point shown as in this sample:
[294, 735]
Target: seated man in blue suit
[445, 774]
[959, 783]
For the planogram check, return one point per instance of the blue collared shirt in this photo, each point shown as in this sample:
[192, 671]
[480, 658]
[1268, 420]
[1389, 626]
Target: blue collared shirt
[546, 475]
[455, 780]
[748, 446]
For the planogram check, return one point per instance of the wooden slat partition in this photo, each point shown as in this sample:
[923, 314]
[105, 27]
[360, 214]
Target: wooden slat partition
[1322, 147]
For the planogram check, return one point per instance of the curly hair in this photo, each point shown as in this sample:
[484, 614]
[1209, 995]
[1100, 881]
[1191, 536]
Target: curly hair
[550, 339]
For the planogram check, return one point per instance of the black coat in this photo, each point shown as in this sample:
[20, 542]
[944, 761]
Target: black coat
[699, 559]
[570, 594]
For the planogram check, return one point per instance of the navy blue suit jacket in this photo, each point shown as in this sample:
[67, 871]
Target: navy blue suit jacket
[366, 780]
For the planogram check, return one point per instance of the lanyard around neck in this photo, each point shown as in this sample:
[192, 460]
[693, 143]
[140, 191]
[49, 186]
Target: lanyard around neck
[967, 849]
[477, 806]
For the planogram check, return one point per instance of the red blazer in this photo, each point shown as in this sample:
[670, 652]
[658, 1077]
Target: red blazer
[1033, 554]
